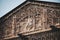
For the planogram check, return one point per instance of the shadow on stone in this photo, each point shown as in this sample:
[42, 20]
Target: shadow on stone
[23, 37]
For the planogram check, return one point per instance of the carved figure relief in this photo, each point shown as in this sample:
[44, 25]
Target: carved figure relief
[53, 16]
[31, 19]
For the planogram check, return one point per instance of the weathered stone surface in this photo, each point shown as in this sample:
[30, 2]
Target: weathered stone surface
[31, 18]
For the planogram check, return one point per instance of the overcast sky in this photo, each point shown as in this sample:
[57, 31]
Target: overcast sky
[8, 5]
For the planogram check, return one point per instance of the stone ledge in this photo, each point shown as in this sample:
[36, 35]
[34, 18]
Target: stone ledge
[11, 37]
[36, 31]
[29, 33]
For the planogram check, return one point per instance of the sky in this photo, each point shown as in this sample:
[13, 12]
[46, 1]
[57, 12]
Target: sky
[8, 5]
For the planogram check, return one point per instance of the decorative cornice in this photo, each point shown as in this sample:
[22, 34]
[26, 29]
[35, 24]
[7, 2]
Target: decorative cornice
[36, 31]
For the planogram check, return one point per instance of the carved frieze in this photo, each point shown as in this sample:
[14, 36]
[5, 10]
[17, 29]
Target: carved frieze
[31, 18]
[53, 16]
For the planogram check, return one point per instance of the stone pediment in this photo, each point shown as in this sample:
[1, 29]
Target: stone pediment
[30, 17]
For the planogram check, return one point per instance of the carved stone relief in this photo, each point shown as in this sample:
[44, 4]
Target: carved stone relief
[53, 16]
[8, 28]
[31, 18]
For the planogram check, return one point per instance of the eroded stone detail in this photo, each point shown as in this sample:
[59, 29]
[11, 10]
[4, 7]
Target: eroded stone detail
[31, 18]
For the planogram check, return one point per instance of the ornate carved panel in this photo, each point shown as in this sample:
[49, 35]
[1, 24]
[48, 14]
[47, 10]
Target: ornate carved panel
[31, 18]
[53, 16]
[8, 28]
